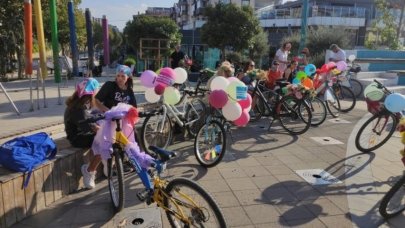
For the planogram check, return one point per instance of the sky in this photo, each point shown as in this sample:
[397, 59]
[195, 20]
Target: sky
[118, 12]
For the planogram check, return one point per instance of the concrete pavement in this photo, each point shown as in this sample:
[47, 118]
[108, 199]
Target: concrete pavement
[256, 185]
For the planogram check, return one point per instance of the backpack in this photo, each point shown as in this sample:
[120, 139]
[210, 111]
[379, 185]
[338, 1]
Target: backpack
[24, 153]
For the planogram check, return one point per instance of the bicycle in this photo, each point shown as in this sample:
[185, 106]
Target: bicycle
[172, 196]
[210, 141]
[323, 86]
[347, 99]
[351, 81]
[380, 127]
[393, 201]
[317, 107]
[293, 113]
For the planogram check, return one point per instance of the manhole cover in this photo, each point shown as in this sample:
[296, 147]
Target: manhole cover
[317, 177]
[339, 121]
[326, 140]
[140, 218]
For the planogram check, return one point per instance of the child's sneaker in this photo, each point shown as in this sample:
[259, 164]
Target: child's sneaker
[105, 167]
[88, 177]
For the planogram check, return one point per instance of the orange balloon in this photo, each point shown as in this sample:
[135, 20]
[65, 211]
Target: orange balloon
[307, 83]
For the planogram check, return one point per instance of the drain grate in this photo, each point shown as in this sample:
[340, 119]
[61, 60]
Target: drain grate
[317, 177]
[326, 140]
[141, 218]
[339, 121]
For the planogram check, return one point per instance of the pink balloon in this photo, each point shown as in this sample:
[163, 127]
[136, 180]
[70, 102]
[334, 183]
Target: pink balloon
[243, 119]
[246, 103]
[148, 78]
[218, 98]
[331, 65]
[341, 65]
[166, 76]
[159, 89]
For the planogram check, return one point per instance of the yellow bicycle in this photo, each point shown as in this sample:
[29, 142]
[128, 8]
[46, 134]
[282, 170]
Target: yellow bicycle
[186, 203]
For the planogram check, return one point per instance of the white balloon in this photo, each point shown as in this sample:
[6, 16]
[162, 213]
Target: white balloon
[352, 58]
[232, 111]
[219, 83]
[181, 75]
[151, 96]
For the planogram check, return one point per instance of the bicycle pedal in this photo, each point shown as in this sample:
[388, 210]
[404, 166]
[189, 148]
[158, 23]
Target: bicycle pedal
[143, 195]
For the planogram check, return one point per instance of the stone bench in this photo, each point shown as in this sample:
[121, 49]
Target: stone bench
[401, 76]
[49, 182]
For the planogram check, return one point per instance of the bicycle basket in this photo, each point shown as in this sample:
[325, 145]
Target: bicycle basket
[374, 93]
[373, 106]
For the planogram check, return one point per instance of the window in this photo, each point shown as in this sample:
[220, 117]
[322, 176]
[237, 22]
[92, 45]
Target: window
[245, 2]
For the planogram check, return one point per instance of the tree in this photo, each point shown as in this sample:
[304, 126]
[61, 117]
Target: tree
[144, 26]
[229, 26]
[259, 46]
[115, 39]
[383, 30]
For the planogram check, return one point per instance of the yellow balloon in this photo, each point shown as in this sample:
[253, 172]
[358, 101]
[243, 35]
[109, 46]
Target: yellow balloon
[171, 95]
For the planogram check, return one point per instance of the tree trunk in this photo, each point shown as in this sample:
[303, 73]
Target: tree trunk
[20, 63]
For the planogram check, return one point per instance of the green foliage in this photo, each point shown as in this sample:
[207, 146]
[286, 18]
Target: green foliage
[129, 61]
[384, 29]
[259, 46]
[229, 26]
[144, 26]
[115, 40]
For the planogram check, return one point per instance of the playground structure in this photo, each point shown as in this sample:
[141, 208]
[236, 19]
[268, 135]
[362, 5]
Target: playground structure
[42, 68]
[153, 52]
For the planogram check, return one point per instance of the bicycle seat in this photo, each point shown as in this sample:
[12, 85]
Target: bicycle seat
[164, 155]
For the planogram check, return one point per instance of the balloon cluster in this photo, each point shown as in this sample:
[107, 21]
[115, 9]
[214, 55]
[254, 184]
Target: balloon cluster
[162, 84]
[395, 102]
[231, 95]
[303, 77]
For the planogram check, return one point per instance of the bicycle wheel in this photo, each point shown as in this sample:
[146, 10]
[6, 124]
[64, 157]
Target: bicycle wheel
[332, 103]
[393, 202]
[194, 115]
[318, 110]
[356, 87]
[258, 109]
[346, 98]
[210, 144]
[116, 179]
[294, 115]
[189, 205]
[376, 131]
[156, 131]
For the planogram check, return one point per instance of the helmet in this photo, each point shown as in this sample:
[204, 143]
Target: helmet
[87, 87]
[124, 69]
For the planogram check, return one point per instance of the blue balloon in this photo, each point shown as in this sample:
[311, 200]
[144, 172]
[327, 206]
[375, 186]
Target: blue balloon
[395, 102]
[310, 69]
[296, 81]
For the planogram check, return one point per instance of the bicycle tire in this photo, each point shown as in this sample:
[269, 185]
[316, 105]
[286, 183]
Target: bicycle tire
[196, 214]
[291, 109]
[192, 113]
[385, 206]
[116, 170]
[150, 136]
[358, 140]
[347, 99]
[356, 87]
[210, 155]
[318, 110]
[334, 105]
[257, 110]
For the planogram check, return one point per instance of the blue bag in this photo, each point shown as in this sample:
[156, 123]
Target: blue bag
[24, 153]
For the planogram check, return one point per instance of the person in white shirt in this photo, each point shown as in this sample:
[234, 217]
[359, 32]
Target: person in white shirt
[338, 54]
[282, 56]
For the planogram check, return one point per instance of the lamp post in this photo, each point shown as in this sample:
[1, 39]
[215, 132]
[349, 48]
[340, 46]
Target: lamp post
[304, 17]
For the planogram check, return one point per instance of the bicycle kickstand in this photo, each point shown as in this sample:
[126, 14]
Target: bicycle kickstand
[271, 123]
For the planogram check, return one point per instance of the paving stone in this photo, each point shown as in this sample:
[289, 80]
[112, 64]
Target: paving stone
[328, 208]
[279, 224]
[249, 161]
[303, 192]
[337, 221]
[250, 197]
[225, 199]
[294, 212]
[236, 172]
[241, 184]
[256, 171]
[279, 195]
[262, 213]
[264, 181]
[215, 186]
[306, 223]
[236, 216]
[279, 170]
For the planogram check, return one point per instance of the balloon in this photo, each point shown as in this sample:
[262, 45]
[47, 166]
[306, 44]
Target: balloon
[307, 83]
[166, 77]
[246, 103]
[171, 95]
[373, 93]
[218, 98]
[324, 68]
[233, 79]
[284, 90]
[151, 96]
[148, 78]
[341, 65]
[395, 102]
[296, 81]
[158, 71]
[300, 75]
[232, 111]
[159, 89]
[243, 119]
[219, 83]
[181, 75]
[352, 58]
[236, 91]
[331, 65]
[310, 69]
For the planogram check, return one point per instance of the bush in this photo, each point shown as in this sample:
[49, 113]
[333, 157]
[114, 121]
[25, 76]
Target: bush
[129, 61]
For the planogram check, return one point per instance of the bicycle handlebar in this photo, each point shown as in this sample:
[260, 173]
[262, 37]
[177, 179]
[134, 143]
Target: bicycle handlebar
[101, 116]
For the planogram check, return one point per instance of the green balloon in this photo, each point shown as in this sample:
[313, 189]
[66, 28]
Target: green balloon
[301, 75]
